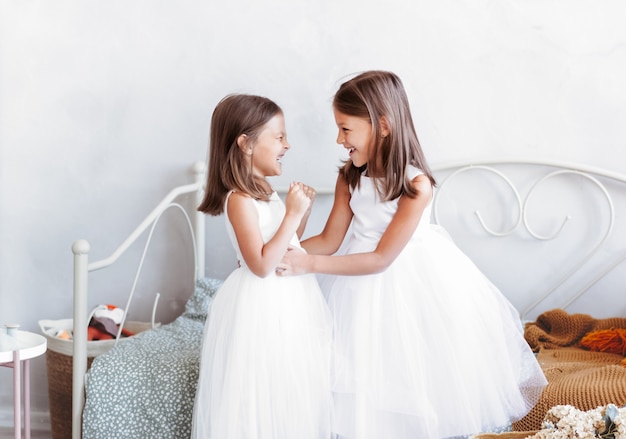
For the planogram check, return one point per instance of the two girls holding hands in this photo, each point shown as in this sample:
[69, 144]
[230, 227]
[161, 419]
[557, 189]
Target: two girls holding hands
[424, 346]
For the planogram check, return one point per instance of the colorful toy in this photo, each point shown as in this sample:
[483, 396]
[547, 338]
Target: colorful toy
[103, 325]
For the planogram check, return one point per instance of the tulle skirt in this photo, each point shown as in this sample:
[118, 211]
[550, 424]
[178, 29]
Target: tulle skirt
[265, 363]
[427, 349]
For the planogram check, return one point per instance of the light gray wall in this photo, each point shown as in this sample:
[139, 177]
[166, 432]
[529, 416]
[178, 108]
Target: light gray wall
[105, 105]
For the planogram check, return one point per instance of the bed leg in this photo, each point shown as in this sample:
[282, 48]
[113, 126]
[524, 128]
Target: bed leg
[199, 220]
[80, 249]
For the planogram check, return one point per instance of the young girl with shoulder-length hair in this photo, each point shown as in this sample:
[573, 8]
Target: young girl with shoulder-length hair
[265, 361]
[425, 346]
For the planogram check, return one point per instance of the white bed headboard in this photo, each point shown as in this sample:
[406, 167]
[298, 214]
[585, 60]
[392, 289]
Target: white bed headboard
[548, 234]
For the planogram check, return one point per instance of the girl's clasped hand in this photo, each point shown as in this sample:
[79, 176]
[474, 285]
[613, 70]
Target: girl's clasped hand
[299, 198]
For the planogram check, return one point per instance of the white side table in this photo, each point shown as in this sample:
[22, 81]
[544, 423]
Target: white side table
[30, 345]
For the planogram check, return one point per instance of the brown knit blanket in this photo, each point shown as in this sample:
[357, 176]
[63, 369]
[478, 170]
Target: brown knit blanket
[557, 329]
[575, 376]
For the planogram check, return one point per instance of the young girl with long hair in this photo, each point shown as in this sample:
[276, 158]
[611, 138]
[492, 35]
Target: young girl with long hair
[425, 346]
[264, 367]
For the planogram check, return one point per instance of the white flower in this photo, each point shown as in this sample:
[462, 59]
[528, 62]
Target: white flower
[566, 422]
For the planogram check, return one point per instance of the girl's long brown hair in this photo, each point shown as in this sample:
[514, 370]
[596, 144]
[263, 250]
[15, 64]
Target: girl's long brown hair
[373, 95]
[228, 167]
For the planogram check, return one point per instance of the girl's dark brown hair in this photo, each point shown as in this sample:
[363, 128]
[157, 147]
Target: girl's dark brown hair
[373, 95]
[228, 167]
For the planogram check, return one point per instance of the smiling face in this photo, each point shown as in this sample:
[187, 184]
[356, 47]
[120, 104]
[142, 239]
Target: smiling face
[269, 148]
[355, 134]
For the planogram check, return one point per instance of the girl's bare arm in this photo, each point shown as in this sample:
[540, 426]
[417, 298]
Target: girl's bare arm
[263, 258]
[310, 193]
[331, 237]
[392, 242]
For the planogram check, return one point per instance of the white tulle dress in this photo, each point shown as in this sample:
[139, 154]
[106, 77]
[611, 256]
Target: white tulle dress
[265, 362]
[429, 348]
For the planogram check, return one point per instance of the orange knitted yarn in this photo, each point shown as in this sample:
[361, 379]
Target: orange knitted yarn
[606, 340]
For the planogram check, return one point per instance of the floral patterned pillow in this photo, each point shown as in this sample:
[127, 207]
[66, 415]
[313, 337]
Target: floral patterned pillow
[197, 307]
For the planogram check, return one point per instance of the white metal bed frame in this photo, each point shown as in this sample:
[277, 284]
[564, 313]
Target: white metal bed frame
[592, 174]
[82, 268]
[81, 248]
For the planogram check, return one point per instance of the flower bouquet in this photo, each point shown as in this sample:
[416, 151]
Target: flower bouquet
[566, 421]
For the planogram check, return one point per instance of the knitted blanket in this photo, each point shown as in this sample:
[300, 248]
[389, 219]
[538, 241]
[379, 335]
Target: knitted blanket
[556, 329]
[576, 376]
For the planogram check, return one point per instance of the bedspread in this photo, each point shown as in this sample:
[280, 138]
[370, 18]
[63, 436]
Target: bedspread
[145, 387]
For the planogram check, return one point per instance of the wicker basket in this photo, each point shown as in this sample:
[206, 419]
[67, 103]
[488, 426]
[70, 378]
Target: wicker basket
[59, 363]
[59, 368]
[506, 435]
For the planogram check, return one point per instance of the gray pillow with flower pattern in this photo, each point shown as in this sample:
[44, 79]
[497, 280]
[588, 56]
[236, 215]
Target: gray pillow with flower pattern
[145, 387]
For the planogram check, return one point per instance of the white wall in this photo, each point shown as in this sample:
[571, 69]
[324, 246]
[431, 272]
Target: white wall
[105, 105]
